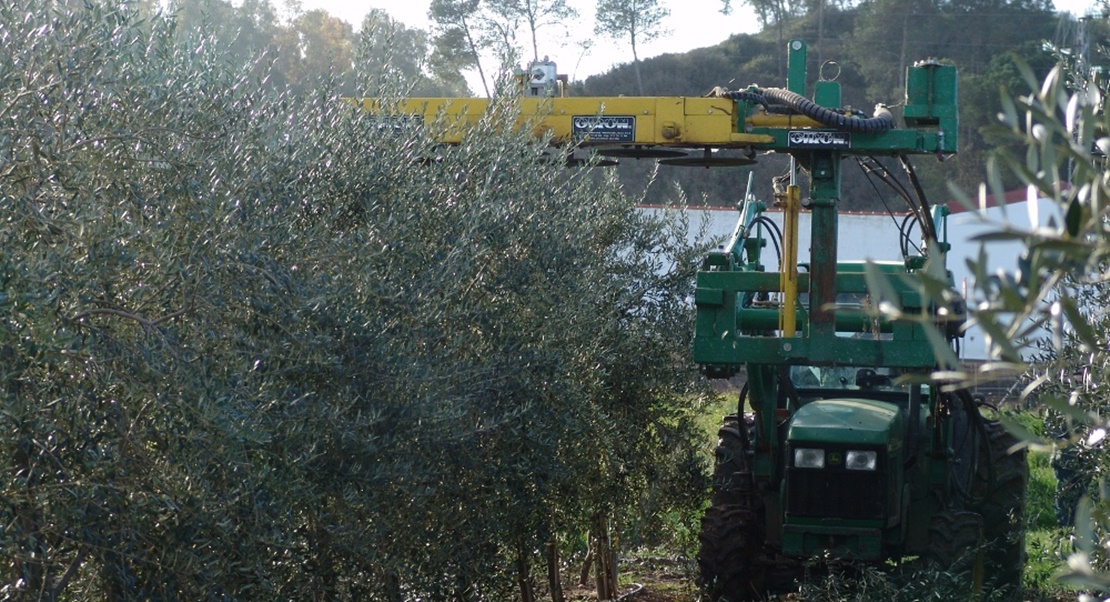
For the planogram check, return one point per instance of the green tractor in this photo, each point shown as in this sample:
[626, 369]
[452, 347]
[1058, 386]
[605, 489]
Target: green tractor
[841, 447]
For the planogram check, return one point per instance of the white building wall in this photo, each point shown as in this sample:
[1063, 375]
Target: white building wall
[861, 235]
[1002, 256]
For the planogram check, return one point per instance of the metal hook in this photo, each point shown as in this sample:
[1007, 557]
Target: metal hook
[826, 77]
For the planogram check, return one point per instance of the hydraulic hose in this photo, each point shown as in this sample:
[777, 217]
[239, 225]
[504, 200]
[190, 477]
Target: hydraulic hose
[882, 120]
[927, 224]
[904, 231]
[775, 236]
[741, 95]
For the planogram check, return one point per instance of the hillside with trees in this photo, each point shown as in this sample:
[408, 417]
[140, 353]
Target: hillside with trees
[871, 44]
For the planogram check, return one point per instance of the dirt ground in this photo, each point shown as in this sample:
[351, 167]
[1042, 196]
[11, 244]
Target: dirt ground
[656, 580]
[653, 588]
[655, 585]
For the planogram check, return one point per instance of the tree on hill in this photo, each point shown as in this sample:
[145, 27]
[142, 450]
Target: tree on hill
[293, 51]
[776, 14]
[534, 14]
[637, 21]
[391, 56]
[324, 44]
[459, 36]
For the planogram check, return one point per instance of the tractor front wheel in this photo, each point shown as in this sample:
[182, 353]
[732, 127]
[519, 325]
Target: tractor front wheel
[956, 544]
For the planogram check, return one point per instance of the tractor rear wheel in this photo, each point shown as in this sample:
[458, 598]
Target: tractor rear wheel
[731, 561]
[1000, 486]
[732, 479]
[727, 561]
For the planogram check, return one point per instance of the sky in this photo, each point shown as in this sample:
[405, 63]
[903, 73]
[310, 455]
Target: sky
[579, 53]
[576, 50]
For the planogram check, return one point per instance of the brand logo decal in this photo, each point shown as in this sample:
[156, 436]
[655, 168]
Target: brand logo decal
[604, 128]
[397, 125]
[809, 139]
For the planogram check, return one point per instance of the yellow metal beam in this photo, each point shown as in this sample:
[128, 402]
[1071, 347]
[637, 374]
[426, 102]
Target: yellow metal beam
[668, 121]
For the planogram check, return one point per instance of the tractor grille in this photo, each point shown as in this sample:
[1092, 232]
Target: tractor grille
[835, 492]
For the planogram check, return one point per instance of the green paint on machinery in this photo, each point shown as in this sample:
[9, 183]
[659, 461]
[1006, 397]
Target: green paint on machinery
[847, 451]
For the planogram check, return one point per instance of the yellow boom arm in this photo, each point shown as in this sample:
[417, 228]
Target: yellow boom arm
[668, 121]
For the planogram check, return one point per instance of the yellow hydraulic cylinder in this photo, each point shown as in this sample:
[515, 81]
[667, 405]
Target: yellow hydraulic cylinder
[788, 271]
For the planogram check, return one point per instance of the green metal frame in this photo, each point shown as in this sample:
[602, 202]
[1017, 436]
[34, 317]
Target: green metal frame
[729, 336]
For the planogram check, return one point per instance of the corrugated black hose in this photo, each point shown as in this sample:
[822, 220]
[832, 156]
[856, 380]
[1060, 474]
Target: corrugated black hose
[742, 95]
[882, 120]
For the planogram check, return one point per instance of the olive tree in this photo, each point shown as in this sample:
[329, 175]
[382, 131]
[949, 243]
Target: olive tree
[257, 345]
[1046, 317]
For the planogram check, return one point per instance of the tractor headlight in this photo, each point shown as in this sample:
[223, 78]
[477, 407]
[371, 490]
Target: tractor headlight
[809, 458]
[861, 460]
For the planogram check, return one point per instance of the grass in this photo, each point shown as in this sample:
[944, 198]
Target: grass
[710, 418]
[1047, 545]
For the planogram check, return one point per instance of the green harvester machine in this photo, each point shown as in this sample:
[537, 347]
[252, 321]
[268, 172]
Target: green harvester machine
[841, 448]
[848, 452]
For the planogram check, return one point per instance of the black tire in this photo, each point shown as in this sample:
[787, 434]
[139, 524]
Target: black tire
[731, 542]
[956, 544]
[732, 478]
[731, 562]
[1000, 488]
